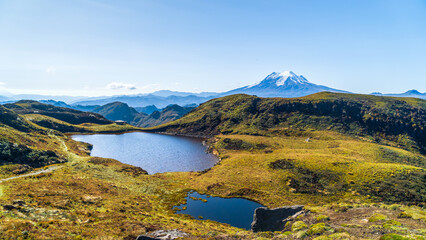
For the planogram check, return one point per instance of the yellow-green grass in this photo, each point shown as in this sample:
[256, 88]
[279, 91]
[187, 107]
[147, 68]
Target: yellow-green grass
[41, 138]
[49, 140]
[248, 173]
[85, 127]
[97, 201]
[100, 198]
[384, 120]
[109, 128]
[379, 101]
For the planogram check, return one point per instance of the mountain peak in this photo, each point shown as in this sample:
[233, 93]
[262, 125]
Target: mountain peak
[284, 84]
[286, 78]
[287, 74]
[413, 91]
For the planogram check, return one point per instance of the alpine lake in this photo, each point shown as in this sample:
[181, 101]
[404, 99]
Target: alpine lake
[158, 153]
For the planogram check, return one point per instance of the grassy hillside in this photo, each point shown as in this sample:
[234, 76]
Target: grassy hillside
[55, 124]
[25, 145]
[85, 197]
[64, 114]
[335, 153]
[397, 121]
[330, 167]
[42, 118]
[322, 146]
[11, 119]
[31, 141]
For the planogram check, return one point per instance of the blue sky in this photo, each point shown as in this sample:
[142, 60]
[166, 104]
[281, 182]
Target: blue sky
[93, 47]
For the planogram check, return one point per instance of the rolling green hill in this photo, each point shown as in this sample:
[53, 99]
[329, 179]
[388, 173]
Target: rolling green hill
[24, 145]
[64, 114]
[30, 141]
[11, 119]
[320, 147]
[396, 121]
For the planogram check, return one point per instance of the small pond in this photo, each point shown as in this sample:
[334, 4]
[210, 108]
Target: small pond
[155, 153]
[237, 212]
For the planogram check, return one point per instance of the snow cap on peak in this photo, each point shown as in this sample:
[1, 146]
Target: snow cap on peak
[287, 74]
[280, 79]
[289, 77]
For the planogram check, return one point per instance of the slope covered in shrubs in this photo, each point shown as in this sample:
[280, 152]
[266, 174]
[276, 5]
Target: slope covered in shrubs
[401, 121]
[68, 115]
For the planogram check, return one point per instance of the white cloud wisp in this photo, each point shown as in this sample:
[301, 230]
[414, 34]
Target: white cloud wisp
[121, 86]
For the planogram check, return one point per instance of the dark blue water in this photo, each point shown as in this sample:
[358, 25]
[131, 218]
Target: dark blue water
[155, 153]
[237, 212]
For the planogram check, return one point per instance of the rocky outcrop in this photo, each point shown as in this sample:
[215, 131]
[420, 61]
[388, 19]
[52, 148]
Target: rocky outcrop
[163, 234]
[142, 237]
[266, 219]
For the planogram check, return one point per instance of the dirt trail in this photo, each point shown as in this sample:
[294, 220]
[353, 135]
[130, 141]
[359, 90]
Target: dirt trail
[45, 170]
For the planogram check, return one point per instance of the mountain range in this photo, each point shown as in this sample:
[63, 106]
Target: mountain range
[121, 111]
[411, 93]
[145, 100]
[286, 84]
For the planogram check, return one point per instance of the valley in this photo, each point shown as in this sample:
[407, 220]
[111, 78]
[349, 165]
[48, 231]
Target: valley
[356, 162]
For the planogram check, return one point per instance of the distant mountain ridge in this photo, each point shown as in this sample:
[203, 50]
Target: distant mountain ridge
[145, 100]
[410, 93]
[118, 111]
[121, 111]
[148, 109]
[286, 84]
[167, 114]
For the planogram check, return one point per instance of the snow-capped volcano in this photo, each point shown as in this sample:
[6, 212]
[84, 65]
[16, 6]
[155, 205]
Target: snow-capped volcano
[281, 79]
[286, 78]
[285, 84]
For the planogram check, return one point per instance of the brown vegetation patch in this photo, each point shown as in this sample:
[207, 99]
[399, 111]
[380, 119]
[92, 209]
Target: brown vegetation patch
[244, 192]
[282, 164]
[122, 167]
[214, 186]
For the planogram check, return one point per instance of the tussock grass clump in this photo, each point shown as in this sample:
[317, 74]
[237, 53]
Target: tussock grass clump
[318, 229]
[377, 217]
[322, 218]
[298, 225]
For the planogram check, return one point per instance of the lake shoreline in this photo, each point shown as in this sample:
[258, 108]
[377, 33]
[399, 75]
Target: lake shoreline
[153, 152]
